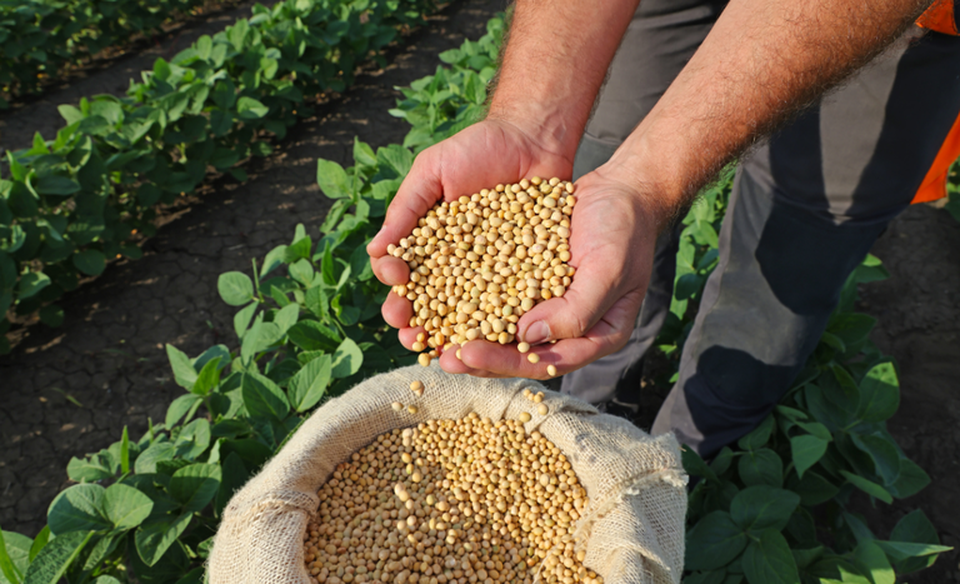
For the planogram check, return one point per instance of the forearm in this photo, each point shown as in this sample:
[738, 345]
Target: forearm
[555, 61]
[763, 60]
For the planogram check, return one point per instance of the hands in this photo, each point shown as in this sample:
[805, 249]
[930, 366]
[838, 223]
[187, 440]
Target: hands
[612, 242]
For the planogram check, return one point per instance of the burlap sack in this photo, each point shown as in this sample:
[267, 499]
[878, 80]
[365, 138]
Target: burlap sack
[633, 527]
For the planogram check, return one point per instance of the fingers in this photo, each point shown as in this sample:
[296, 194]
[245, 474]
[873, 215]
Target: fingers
[420, 190]
[397, 311]
[390, 270]
[486, 359]
[590, 296]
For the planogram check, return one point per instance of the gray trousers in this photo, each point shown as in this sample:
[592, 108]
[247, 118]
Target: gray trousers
[805, 209]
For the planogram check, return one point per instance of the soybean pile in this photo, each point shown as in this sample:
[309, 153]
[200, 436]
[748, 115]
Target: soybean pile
[478, 263]
[451, 501]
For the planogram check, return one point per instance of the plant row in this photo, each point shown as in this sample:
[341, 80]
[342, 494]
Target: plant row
[73, 203]
[780, 505]
[39, 38]
[776, 507]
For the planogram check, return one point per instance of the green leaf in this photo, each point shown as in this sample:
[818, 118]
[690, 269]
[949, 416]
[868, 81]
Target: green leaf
[851, 328]
[249, 108]
[14, 556]
[768, 560]
[761, 467]
[78, 508]
[241, 320]
[363, 154]
[759, 437]
[183, 371]
[193, 440]
[208, 378]
[84, 470]
[347, 359]
[694, 465]
[54, 559]
[90, 261]
[56, 185]
[309, 384]
[761, 507]
[31, 283]
[333, 179]
[194, 486]
[273, 260]
[153, 540]
[869, 558]
[180, 407]
[157, 452]
[317, 302]
[879, 393]
[395, 157]
[125, 506]
[301, 271]
[806, 450]
[901, 550]
[714, 541]
[310, 335]
[235, 288]
[884, 454]
[911, 481]
[869, 487]
[914, 527]
[287, 317]
[234, 476]
[263, 397]
[125, 452]
[39, 543]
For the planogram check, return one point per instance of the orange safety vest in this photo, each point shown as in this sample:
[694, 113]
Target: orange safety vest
[940, 17]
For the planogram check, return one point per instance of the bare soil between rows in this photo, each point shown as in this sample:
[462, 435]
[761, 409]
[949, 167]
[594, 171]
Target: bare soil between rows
[71, 390]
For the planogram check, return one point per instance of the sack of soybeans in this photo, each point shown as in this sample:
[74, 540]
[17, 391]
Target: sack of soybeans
[421, 477]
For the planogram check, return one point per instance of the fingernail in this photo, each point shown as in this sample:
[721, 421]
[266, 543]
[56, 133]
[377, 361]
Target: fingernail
[537, 333]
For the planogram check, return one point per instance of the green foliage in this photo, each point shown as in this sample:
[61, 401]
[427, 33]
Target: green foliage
[71, 204]
[308, 327]
[775, 507]
[38, 38]
[440, 105]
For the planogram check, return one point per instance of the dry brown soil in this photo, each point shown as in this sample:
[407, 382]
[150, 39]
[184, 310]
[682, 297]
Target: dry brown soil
[70, 391]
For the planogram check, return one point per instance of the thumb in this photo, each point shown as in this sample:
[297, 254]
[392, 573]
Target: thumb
[590, 296]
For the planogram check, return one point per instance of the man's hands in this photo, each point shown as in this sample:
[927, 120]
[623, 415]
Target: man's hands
[612, 241]
[479, 157]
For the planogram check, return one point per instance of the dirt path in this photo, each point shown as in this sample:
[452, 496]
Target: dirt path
[108, 355]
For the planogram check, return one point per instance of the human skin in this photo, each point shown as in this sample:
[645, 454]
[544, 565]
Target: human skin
[763, 61]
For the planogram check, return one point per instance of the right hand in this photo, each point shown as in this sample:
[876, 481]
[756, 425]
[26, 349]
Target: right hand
[485, 154]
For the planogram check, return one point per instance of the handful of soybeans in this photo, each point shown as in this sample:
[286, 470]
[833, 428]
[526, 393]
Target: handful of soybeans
[469, 501]
[478, 263]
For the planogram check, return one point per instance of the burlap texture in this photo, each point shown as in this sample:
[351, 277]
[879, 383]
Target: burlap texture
[633, 527]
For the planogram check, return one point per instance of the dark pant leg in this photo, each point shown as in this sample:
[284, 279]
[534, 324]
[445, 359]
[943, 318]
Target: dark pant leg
[805, 210]
[661, 38]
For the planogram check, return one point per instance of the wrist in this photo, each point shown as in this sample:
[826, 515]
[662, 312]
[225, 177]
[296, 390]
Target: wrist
[648, 168]
[544, 127]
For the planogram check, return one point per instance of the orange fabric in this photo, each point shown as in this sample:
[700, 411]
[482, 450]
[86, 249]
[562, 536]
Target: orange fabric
[934, 185]
[939, 17]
